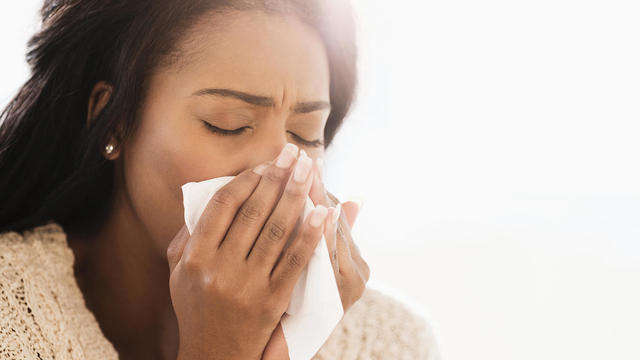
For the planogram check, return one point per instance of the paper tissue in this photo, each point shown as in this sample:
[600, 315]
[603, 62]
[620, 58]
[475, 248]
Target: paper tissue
[315, 308]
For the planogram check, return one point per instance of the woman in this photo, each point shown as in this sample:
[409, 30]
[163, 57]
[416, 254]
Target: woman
[127, 101]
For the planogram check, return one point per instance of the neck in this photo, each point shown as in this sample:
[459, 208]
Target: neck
[125, 284]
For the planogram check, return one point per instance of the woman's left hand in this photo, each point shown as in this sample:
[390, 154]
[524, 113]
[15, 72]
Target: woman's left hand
[350, 269]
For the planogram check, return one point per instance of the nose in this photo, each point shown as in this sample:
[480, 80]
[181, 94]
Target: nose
[268, 152]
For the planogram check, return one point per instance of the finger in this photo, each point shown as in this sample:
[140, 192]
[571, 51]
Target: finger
[364, 268]
[176, 247]
[317, 193]
[219, 213]
[294, 259]
[330, 237]
[285, 217]
[277, 347]
[320, 167]
[251, 217]
[350, 209]
[344, 232]
[330, 232]
[342, 246]
[346, 226]
[333, 200]
[360, 264]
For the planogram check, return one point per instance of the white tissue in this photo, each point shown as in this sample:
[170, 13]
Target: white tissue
[315, 308]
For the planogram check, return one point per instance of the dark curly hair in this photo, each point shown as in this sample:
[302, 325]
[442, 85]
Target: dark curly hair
[51, 163]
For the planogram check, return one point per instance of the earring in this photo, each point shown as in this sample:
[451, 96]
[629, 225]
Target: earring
[108, 149]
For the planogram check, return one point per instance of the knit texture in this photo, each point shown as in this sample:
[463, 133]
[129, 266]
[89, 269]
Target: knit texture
[43, 314]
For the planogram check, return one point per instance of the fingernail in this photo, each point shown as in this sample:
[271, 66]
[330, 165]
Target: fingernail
[359, 201]
[260, 169]
[303, 166]
[320, 163]
[318, 214]
[287, 156]
[336, 214]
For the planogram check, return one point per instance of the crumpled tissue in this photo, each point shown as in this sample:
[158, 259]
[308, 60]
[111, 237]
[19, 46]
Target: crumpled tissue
[315, 308]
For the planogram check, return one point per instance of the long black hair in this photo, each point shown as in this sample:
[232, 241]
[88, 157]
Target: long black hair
[51, 163]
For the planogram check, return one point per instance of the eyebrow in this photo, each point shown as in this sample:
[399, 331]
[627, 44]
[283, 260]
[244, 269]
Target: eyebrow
[263, 101]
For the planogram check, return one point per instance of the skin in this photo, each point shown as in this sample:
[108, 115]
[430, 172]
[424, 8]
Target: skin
[122, 263]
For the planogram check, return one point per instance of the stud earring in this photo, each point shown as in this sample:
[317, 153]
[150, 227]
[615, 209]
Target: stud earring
[108, 149]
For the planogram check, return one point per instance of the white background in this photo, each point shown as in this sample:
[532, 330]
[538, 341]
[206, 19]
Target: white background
[495, 144]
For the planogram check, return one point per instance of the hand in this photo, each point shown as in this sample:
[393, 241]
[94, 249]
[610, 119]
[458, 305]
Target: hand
[350, 269]
[352, 280]
[231, 281]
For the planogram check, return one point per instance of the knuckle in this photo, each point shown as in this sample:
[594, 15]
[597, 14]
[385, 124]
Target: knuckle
[294, 191]
[311, 236]
[294, 260]
[224, 198]
[274, 175]
[242, 300]
[275, 231]
[250, 213]
[202, 227]
[260, 250]
[191, 264]
[219, 287]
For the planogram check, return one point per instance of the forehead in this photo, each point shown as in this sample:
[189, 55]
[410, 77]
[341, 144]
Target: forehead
[265, 54]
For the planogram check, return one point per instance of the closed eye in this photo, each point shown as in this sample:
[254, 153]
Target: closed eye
[315, 143]
[222, 131]
[227, 132]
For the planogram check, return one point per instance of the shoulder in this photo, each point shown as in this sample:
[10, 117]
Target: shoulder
[379, 326]
[42, 310]
[44, 245]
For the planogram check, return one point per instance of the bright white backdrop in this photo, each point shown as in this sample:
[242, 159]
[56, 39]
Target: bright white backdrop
[495, 146]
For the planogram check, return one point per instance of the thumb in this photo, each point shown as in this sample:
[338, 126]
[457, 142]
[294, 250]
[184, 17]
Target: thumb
[351, 209]
[277, 346]
[176, 247]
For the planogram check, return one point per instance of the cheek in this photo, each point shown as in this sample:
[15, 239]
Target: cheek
[158, 161]
[169, 153]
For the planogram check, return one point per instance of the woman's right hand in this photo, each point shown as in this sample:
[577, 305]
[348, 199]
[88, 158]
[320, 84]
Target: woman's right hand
[229, 283]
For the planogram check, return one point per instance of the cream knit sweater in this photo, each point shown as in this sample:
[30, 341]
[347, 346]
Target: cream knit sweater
[43, 313]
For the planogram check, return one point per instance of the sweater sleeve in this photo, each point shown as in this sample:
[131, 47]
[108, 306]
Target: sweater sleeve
[378, 326]
[42, 310]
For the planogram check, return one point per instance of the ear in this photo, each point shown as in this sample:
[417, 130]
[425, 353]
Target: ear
[98, 99]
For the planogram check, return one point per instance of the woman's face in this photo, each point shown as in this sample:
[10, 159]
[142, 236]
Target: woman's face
[265, 73]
